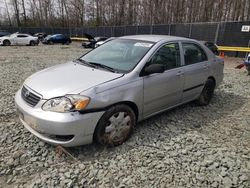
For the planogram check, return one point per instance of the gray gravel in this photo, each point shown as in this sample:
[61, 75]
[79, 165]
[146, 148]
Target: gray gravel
[189, 146]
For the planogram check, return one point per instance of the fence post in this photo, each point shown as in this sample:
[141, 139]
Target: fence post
[217, 33]
[151, 29]
[169, 29]
[190, 30]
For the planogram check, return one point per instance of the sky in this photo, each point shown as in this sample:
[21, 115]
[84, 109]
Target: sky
[3, 12]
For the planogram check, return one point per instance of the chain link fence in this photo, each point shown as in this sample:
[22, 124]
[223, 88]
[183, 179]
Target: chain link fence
[221, 33]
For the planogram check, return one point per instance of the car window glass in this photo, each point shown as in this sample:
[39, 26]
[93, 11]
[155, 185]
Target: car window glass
[59, 36]
[21, 36]
[193, 53]
[168, 55]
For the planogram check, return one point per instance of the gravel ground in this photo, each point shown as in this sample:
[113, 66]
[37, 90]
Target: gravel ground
[189, 146]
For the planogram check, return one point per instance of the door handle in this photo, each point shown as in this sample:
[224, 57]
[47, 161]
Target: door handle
[179, 73]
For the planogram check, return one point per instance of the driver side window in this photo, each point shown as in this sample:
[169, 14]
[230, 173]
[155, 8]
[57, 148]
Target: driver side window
[59, 37]
[21, 36]
[168, 55]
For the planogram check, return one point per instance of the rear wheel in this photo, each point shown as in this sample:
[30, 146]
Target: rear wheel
[67, 43]
[207, 93]
[32, 43]
[51, 42]
[6, 43]
[115, 125]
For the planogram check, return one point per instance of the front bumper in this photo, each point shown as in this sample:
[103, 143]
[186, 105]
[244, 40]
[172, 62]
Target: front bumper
[66, 129]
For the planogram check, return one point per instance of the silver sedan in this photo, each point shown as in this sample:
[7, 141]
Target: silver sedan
[103, 94]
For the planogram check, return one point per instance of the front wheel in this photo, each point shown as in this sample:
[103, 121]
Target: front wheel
[115, 125]
[6, 43]
[207, 93]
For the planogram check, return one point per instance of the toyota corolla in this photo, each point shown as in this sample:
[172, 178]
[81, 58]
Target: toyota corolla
[103, 94]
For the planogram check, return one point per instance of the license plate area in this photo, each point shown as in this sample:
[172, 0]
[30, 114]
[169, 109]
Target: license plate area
[29, 121]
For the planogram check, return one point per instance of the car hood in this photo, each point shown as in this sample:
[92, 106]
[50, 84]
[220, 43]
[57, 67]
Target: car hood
[4, 37]
[69, 78]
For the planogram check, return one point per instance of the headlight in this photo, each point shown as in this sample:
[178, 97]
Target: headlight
[66, 103]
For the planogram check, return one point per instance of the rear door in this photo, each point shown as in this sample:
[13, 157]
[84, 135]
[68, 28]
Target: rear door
[60, 39]
[196, 67]
[164, 90]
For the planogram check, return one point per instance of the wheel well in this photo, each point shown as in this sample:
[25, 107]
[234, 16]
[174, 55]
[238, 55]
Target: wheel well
[212, 78]
[132, 105]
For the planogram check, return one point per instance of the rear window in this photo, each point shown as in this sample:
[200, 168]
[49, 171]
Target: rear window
[193, 53]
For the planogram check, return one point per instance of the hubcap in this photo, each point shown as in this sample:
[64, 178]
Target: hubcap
[118, 129]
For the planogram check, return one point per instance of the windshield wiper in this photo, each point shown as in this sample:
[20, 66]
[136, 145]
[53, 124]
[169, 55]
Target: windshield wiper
[95, 65]
[84, 62]
[103, 66]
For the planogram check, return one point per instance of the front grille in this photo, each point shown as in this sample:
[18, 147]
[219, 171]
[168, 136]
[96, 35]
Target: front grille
[29, 97]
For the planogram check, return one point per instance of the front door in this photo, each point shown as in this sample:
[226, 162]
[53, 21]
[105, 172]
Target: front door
[164, 90]
[21, 39]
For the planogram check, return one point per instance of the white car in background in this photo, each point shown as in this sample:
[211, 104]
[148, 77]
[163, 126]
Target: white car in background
[104, 41]
[19, 39]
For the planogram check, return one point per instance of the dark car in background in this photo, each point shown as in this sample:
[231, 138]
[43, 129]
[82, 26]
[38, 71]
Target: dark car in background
[213, 47]
[40, 36]
[92, 41]
[4, 33]
[56, 39]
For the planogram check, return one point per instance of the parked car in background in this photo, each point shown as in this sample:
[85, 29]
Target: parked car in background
[103, 94]
[247, 64]
[91, 43]
[19, 39]
[40, 36]
[213, 47]
[4, 33]
[102, 42]
[57, 39]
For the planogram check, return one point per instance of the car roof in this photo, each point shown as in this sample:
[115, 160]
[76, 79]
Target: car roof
[155, 38]
[203, 41]
[21, 34]
[56, 34]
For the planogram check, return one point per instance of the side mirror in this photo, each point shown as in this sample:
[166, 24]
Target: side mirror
[154, 68]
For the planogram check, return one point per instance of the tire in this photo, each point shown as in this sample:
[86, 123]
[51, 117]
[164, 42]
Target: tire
[248, 69]
[115, 126]
[6, 43]
[207, 93]
[51, 42]
[32, 43]
[67, 43]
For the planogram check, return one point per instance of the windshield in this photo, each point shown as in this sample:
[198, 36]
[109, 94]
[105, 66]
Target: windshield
[120, 54]
[13, 35]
